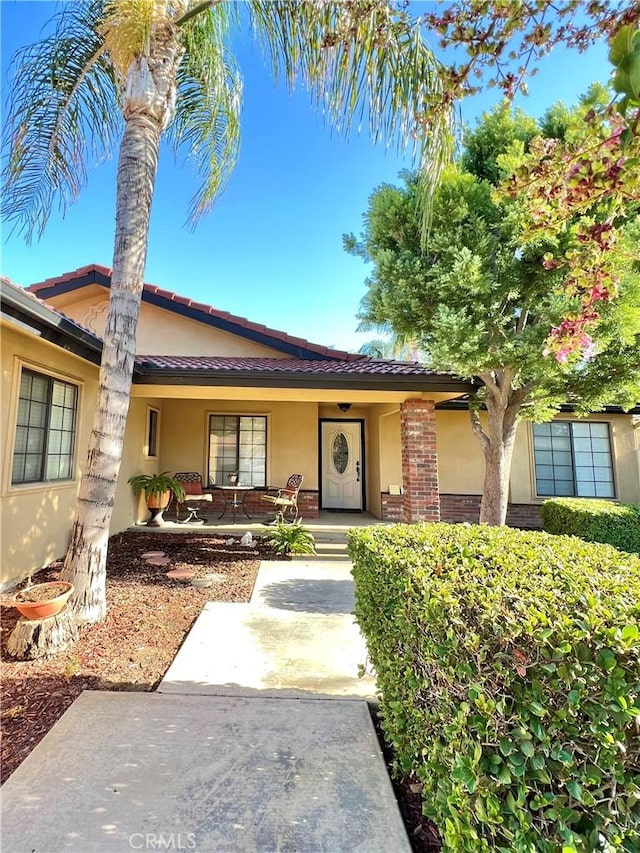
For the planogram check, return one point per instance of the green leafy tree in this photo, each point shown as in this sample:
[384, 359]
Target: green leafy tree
[500, 44]
[123, 74]
[481, 302]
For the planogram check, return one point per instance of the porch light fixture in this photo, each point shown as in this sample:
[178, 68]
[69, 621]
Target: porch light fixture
[344, 407]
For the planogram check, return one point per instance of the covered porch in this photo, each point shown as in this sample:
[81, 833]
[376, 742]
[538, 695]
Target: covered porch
[366, 445]
[329, 530]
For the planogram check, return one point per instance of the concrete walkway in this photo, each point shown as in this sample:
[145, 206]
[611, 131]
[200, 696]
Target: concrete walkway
[296, 638]
[225, 757]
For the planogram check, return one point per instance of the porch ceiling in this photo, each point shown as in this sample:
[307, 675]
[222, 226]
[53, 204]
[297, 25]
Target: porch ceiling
[285, 395]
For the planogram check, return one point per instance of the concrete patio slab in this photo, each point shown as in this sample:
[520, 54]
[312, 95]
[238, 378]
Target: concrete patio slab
[133, 771]
[243, 650]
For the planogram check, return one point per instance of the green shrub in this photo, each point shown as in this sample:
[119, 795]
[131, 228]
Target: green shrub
[508, 664]
[292, 538]
[595, 521]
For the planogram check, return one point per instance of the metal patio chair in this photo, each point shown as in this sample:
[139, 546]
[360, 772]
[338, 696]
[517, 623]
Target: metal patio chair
[285, 500]
[194, 497]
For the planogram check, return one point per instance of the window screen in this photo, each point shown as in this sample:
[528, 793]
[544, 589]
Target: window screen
[45, 429]
[573, 459]
[237, 445]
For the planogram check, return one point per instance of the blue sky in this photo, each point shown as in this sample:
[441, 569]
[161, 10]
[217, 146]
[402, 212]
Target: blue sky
[271, 249]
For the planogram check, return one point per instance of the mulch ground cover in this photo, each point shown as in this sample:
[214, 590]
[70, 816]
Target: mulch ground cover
[149, 615]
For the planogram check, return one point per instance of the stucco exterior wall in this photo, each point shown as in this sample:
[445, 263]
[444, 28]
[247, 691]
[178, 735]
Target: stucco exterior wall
[372, 450]
[461, 462]
[625, 467]
[460, 458]
[390, 451]
[36, 518]
[383, 454]
[292, 436]
[162, 332]
[127, 508]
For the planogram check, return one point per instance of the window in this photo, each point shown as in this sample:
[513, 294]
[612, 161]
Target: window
[153, 418]
[45, 430]
[573, 459]
[237, 444]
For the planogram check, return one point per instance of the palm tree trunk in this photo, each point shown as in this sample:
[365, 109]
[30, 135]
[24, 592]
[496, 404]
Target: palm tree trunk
[147, 109]
[85, 563]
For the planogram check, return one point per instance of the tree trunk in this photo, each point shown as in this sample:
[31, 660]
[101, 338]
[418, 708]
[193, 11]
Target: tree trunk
[147, 109]
[32, 639]
[503, 404]
[501, 433]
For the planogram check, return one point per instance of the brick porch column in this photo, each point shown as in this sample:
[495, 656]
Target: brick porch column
[421, 501]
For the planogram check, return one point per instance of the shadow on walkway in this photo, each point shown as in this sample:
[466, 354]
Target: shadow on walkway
[310, 595]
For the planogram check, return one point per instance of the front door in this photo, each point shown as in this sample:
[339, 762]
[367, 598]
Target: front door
[342, 464]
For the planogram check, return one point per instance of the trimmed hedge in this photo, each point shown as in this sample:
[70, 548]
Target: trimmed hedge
[508, 664]
[595, 521]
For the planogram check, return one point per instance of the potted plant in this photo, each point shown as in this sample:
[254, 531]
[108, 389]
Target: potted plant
[158, 489]
[42, 599]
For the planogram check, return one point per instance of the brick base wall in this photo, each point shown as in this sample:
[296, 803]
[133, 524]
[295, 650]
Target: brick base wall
[458, 508]
[257, 508]
[392, 507]
[524, 515]
[308, 504]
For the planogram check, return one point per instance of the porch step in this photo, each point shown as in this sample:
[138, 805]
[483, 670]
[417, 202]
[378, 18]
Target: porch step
[326, 551]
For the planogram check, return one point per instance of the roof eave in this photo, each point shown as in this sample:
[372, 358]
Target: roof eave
[456, 405]
[41, 321]
[261, 379]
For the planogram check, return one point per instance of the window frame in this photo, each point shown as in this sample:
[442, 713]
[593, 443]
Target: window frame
[151, 410]
[570, 423]
[51, 377]
[238, 415]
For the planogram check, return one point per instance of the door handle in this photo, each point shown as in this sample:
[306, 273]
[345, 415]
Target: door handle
[357, 472]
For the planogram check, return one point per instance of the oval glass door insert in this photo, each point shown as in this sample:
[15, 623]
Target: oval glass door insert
[340, 453]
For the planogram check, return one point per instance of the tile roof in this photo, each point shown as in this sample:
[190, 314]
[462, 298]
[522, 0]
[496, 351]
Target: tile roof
[72, 275]
[94, 273]
[221, 364]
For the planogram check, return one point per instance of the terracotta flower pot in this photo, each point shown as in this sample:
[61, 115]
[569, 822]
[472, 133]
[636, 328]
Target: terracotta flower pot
[43, 606]
[157, 502]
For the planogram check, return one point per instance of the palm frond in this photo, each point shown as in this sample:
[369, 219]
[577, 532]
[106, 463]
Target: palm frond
[62, 107]
[365, 62]
[207, 118]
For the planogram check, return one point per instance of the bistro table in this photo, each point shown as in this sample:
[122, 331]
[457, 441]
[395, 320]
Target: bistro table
[234, 498]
